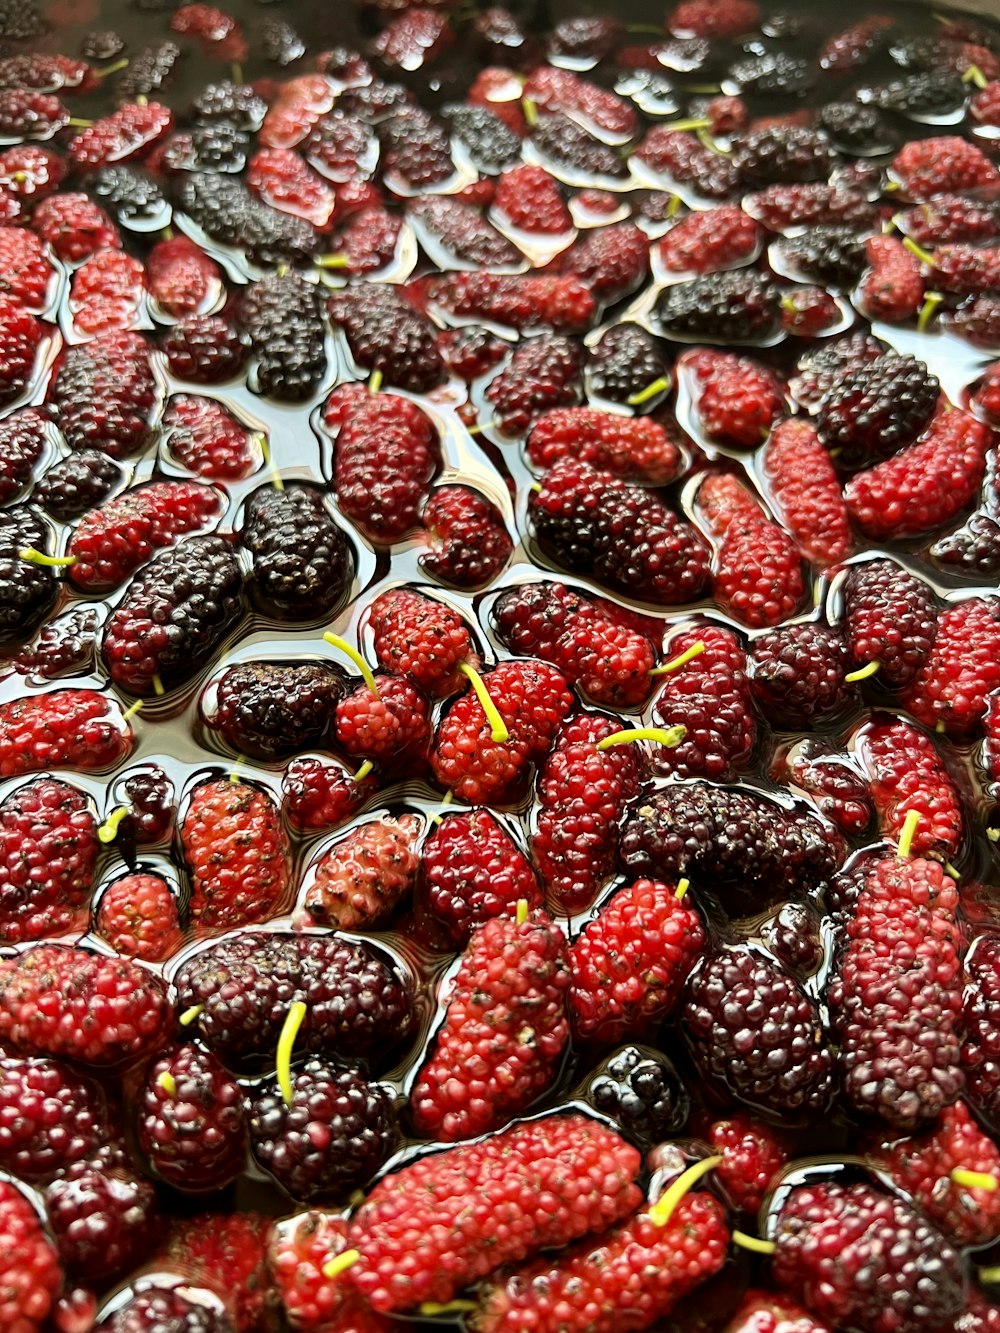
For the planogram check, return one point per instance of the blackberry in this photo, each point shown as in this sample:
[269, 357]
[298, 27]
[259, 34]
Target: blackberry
[872, 411]
[972, 550]
[416, 147]
[918, 53]
[303, 563]
[771, 72]
[738, 306]
[173, 616]
[377, 102]
[741, 842]
[27, 591]
[20, 19]
[356, 1005]
[854, 128]
[485, 137]
[797, 675]
[66, 646]
[627, 360]
[834, 256]
[543, 373]
[165, 1310]
[219, 146]
[642, 1092]
[926, 93]
[130, 195]
[823, 366]
[756, 1035]
[148, 72]
[282, 319]
[280, 42]
[465, 236]
[783, 153]
[229, 214]
[105, 1220]
[23, 439]
[236, 103]
[331, 1139]
[793, 936]
[585, 37]
[204, 349]
[266, 711]
[104, 394]
[568, 144]
[50, 1117]
[385, 333]
[890, 616]
[102, 44]
[78, 483]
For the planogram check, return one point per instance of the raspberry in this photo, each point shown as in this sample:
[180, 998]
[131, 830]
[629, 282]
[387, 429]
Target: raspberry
[74, 227]
[626, 361]
[361, 879]
[613, 261]
[752, 1156]
[30, 1275]
[50, 1117]
[926, 485]
[829, 1234]
[104, 1220]
[208, 440]
[890, 617]
[422, 638]
[204, 349]
[126, 133]
[636, 448]
[386, 454]
[330, 1138]
[237, 853]
[110, 543]
[606, 660]
[892, 288]
[629, 963]
[739, 841]
[962, 668]
[299, 1249]
[717, 238]
[527, 301]
[938, 165]
[386, 334]
[711, 694]
[543, 374]
[230, 215]
[582, 792]
[529, 199]
[797, 675]
[469, 541]
[473, 871]
[637, 1271]
[592, 521]
[389, 727]
[787, 154]
[302, 561]
[504, 1031]
[61, 1001]
[48, 846]
[281, 317]
[356, 1005]
[907, 774]
[877, 407]
[532, 699]
[810, 204]
[317, 796]
[81, 729]
[282, 180]
[738, 400]
[174, 614]
[31, 115]
[267, 711]
[737, 306]
[641, 1091]
[103, 394]
[804, 489]
[679, 158]
[713, 18]
[137, 916]
[901, 1063]
[429, 1211]
[26, 271]
[837, 789]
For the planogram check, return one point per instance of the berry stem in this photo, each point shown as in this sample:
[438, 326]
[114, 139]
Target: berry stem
[167, 233]
[975, 1180]
[332, 261]
[167, 1082]
[692, 123]
[236, 72]
[190, 1016]
[753, 1243]
[910, 826]
[530, 110]
[923, 255]
[682, 887]
[680, 660]
[286, 1041]
[976, 76]
[375, 382]
[132, 711]
[109, 829]
[340, 1263]
[988, 1275]
[158, 685]
[704, 89]
[366, 672]
[363, 771]
[657, 386]
[265, 448]
[108, 70]
[928, 310]
[480, 426]
[663, 1209]
[669, 736]
[863, 673]
[432, 1308]
[706, 141]
[79, 123]
[674, 205]
[498, 727]
[49, 561]
[521, 911]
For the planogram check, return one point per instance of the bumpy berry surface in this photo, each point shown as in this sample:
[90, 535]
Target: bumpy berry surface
[190, 1120]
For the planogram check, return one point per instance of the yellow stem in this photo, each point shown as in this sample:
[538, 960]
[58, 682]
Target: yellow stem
[530, 110]
[975, 1180]
[49, 561]
[669, 736]
[158, 685]
[680, 660]
[265, 450]
[693, 123]
[363, 771]
[132, 710]
[109, 829]
[650, 391]
[168, 1083]
[950, 870]
[340, 1263]
[522, 911]
[863, 673]
[190, 1016]
[367, 675]
[333, 261]
[989, 1275]
[236, 72]
[289, 1031]
[923, 255]
[928, 310]
[674, 205]
[108, 70]
[754, 1243]
[975, 75]
[910, 825]
[682, 887]
[498, 727]
[375, 381]
[431, 1308]
[663, 1209]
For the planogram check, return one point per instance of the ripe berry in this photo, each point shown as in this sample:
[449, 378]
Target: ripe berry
[204, 349]
[30, 1274]
[138, 917]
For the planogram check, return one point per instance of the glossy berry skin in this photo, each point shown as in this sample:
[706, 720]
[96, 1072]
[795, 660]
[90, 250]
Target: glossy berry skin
[317, 795]
[626, 360]
[423, 1210]
[387, 334]
[907, 773]
[182, 278]
[797, 675]
[391, 728]
[613, 261]
[529, 198]
[705, 242]
[637, 1271]
[422, 638]
[630, 962]
[836, 787]
[281, 318]
[890, 617]
[752, 1153]
[636, 448]
[961, 669]
[208, 440]
[167, 1309]
[225, 1254]
[121, 135]
[204, 349]
[504, 1031]
[468, 539]
[238, 855]
[103, 394]
[543, 375]
[80, 729]
[303, 562]
[332, 1139]
[363, 877]
[876, 407]
[981, 1049]
[267, 711]
[30, 1276]
[901, 1064]
[942, 164]
[737, 399]
[50, 1117]
[756, 1035]
[471, 871]
[562, 303]
[23, 438]
[299, 1248]
[582, 792]
[190, 1120]
[138, 917]
[828, 1234]
[48, 850]
[804, 489]
[892, 287]
[639, 1089]
[105, 1220]
[74, 226]
[773, 1312]
[738, 306]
